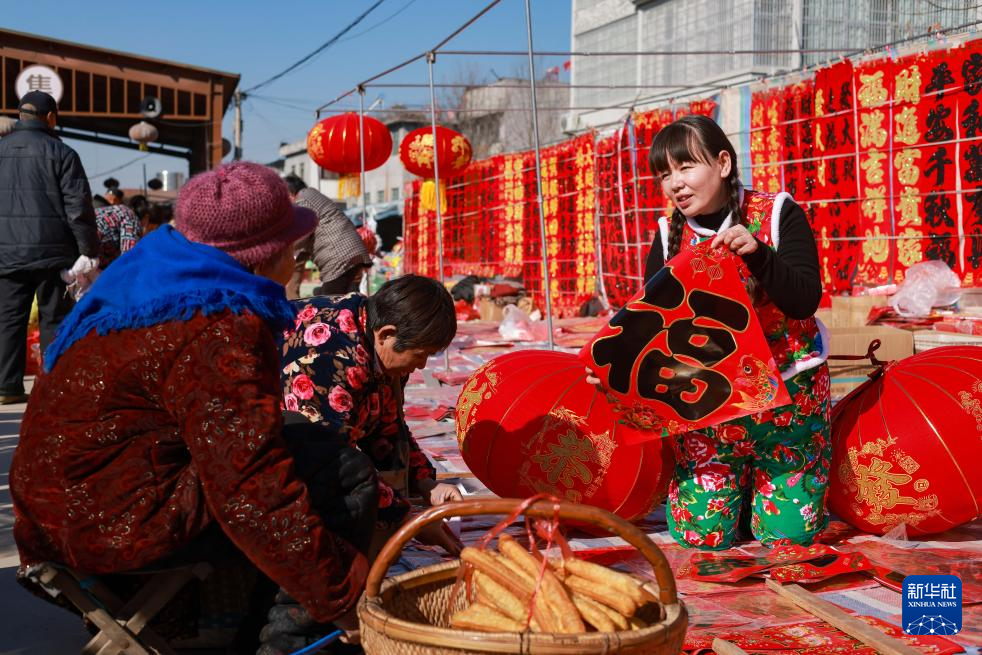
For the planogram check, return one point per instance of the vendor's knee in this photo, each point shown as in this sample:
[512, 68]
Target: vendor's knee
[788, 527]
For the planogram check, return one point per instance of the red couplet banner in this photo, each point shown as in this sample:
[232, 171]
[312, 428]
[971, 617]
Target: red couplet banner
[687, 351]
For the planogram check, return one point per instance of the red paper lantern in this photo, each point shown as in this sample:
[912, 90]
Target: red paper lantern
[334, 145]
[453, 149]
[907, 445]
[528, 422]
[416, 153]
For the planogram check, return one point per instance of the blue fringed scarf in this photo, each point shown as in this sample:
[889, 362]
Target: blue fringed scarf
[167, 278]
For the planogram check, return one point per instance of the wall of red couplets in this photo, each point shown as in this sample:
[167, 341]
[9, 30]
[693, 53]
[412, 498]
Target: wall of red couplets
[884, 155]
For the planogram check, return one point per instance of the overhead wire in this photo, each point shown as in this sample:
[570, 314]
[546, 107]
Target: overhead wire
[324, 46]
[122, 166]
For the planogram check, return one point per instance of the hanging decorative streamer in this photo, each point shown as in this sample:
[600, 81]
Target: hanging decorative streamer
[885, 157]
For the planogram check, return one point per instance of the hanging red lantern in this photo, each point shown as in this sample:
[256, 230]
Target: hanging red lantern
[528, 422]
[416, 152]
[906, 445]
[334, 145]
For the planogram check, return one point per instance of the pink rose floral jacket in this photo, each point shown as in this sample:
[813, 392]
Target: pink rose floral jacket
[332, 376]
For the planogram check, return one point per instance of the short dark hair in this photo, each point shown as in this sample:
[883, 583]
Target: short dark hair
[294, 184]
[140, 205]
[98, 201]
[115, 191]
[420, 308]
[160, 214]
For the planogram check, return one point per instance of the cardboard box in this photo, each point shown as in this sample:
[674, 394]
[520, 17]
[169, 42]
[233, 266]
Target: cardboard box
[849, 374]
[852, 311]
[489, 309]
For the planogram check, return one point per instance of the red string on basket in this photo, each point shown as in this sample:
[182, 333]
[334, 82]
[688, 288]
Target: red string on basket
[550, 532]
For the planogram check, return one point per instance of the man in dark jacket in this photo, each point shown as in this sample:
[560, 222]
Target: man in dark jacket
[47, 225]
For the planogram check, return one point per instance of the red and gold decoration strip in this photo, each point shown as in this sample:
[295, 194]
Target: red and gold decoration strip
[884, 156]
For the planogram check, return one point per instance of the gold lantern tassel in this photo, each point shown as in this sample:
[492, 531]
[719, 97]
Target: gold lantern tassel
[427, 196]
[349, 185]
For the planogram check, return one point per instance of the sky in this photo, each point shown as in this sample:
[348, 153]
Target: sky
[258, 39]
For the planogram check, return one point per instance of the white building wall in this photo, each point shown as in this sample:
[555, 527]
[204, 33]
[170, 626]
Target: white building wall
[761, 25]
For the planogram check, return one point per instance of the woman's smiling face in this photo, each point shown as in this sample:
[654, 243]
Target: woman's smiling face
[696, 187]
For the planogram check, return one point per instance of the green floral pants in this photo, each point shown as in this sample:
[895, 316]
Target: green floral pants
[779, 457]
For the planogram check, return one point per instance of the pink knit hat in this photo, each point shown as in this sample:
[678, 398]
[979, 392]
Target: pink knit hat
[243, 209]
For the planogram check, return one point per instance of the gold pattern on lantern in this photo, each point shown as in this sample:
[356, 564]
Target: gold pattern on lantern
[478, 389]
[905, 130]
[921, 485]
[876, 484]
[906, 163]
[908, 85]
[875, 247]
[421, 150]
[568, 455]
[871, 130]
[970, 403]
[873, 166]
[874, 206]
[909, 249]
[819, 142]
[462, 149]
[820, 102]
[871, 90]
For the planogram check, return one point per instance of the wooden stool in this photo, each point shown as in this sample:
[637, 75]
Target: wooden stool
[122, 624]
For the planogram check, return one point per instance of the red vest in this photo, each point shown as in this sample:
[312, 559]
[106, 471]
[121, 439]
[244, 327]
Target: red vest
[796, 345]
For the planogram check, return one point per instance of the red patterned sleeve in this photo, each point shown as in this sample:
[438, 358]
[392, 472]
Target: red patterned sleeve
[225, 392]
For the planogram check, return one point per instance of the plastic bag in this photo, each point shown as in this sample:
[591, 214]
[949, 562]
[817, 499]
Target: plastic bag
[926, 285]
[519, 326]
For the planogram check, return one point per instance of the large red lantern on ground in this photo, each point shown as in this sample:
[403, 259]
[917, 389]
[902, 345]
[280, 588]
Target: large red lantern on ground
[907, 445]
[416, 152]
[334, 145]
[528, 423]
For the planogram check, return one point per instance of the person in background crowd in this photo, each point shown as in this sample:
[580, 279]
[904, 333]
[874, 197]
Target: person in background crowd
[171, 449]
[335, 246]
[119, 230]
[47, 225]
[115, 195]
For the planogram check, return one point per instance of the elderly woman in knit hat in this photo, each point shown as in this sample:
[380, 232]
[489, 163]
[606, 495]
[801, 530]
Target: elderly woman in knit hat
[156, 437]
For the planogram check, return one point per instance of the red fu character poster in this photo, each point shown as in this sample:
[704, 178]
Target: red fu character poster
[687, 351]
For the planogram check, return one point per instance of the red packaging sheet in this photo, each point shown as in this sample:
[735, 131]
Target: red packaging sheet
[715, 567]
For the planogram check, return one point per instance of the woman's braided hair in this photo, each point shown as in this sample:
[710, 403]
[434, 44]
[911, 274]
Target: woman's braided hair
[693, 139]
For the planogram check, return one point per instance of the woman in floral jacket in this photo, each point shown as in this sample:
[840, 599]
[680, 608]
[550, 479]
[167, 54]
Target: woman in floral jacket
[345, 363]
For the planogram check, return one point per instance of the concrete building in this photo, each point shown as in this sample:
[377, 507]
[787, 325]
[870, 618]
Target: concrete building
[721, 25]
[496, 117]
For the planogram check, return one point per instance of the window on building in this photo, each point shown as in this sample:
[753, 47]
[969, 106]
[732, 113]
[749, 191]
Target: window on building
[394, 193]
[623, 70]
[380, 195]
[301, 173]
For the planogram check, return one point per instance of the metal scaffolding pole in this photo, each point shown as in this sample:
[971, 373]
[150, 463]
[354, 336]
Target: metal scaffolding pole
[430, 60]
[361, 149]
[547, 290]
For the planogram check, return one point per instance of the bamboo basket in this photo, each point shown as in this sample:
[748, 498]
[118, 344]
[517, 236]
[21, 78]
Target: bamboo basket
[410, 613]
